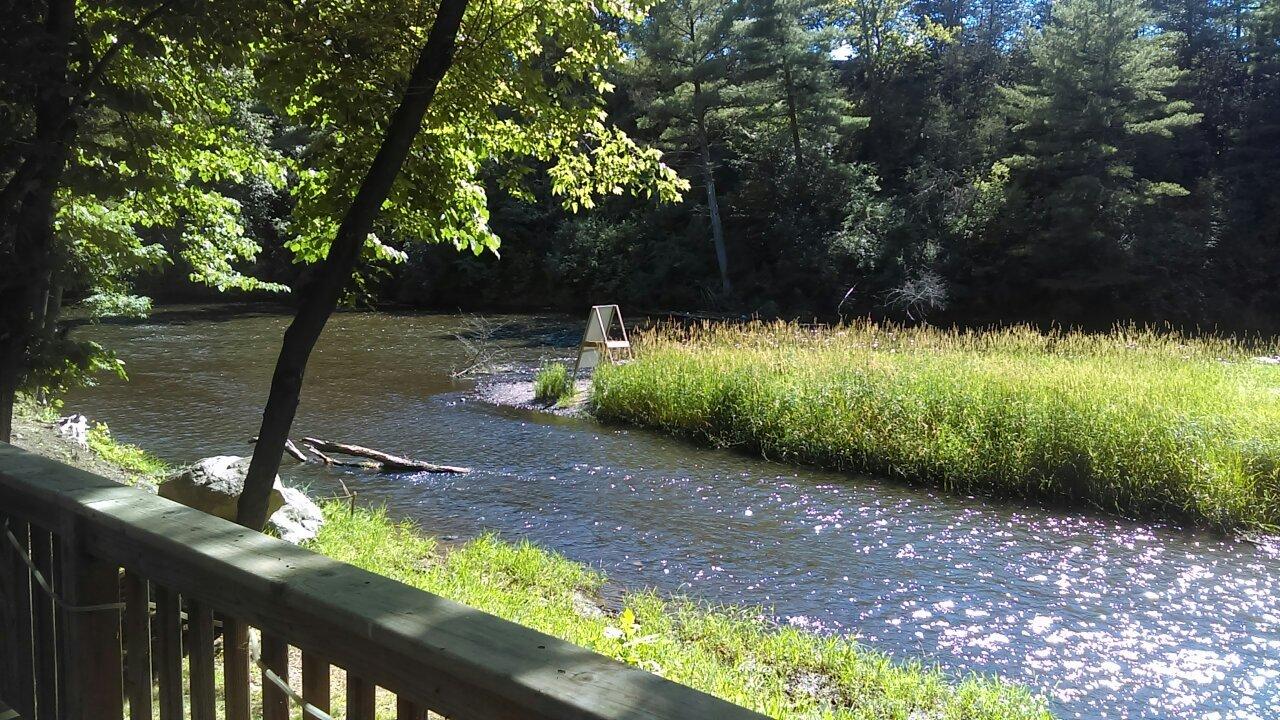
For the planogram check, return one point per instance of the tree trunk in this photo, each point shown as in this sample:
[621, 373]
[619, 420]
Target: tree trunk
[793, 118]
[713, 207]
[28, 211]
[322, 291]
[8, 393]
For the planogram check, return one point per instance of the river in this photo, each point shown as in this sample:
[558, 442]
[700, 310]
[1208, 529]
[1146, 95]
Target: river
[1107, 618]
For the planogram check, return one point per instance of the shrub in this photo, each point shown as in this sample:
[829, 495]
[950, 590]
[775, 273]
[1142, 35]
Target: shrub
[553, 384]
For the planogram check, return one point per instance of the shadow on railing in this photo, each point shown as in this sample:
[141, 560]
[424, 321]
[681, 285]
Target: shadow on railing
[139, 583]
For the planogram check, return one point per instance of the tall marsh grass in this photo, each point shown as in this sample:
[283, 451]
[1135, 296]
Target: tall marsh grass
[1134, 422]
[553, 384]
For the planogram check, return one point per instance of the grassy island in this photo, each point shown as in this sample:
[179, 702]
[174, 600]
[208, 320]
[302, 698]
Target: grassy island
[1132, 422]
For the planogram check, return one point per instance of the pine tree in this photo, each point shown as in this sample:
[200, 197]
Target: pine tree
[1248, 257]
[687, 76]
[786, 47]
[1090, 127]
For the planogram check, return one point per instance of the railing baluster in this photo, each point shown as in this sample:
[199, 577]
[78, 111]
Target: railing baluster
[361, 698]
[235, 668]
[53, 574]
[17, 664]
[408, 710]
[43, 622]
[137, 646]
[89, 640]
[275, 656]
[200, 660]
[315, 680]
[168, 657]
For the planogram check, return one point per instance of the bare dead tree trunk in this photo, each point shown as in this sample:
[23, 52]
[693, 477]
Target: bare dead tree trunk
[713, 201]
[717, 226]
[321, 294]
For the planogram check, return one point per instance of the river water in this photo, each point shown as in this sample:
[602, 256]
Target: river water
[1106, 618]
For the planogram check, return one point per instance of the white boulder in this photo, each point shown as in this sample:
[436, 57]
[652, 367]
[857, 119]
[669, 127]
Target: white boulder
[214, 484]
[299, 519]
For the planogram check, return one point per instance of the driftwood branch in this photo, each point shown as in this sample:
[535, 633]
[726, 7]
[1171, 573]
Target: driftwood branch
[290, 448]
[293, 450]
[367, 464]
[390, 463]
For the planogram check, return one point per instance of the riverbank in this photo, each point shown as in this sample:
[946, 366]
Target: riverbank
[1133, 423]
[730, 652]
[35, 430]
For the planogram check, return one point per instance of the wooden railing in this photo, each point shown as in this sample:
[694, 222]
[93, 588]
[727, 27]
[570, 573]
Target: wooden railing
[142, 583]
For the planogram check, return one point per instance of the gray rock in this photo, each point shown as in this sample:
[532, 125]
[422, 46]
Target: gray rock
[214, 484]
[300, 518]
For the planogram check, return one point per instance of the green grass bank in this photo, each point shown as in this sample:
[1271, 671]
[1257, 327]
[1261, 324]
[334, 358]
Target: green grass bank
[783, 672]
[553, 385]
[1132, 422]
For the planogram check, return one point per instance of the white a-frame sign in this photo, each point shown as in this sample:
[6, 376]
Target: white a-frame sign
[596, 344]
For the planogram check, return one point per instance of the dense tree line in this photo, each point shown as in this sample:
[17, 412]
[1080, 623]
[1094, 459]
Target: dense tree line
[138, 135]
[969, 161]
[1080, 161]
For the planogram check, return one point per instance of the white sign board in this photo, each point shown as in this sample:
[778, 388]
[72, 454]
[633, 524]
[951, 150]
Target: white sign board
[596, 344]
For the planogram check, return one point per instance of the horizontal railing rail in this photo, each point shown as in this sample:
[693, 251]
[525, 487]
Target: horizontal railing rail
[147, 563]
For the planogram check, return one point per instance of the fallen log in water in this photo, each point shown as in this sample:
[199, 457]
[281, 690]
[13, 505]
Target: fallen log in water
[289, 447]
[366, 464]
[390, 463]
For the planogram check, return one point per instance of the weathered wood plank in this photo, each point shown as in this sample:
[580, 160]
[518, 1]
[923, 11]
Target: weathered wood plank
[10, 664]
[275, 656]
[200, 661]
[361, 698]
[90, 674]
[167, 661]
[137, 646]
[43, 620]
[235, 668]
[446, 657]
[407, 709]
[18, 662]
[315, 680]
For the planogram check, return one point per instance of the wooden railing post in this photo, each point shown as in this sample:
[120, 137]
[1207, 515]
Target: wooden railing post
[361, 698]
[315, 681]
[235, 668]
[90, 639]
[137, 646]
[17, 679]
[275, 656]
[201, 669]
[167, 660]
[43, 619]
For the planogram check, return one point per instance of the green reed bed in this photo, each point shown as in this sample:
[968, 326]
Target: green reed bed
[553, 385]
[1133, 422]
[783, 672]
